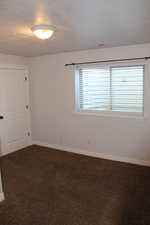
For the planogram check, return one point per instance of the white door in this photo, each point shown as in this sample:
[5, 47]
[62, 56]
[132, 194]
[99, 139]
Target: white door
[14, 126]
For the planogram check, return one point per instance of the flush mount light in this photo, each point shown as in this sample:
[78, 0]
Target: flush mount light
[43, 31]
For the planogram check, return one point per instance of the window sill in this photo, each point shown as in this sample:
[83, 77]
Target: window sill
[112, 114]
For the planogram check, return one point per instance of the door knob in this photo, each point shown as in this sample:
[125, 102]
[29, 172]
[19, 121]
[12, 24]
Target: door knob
[1, 117]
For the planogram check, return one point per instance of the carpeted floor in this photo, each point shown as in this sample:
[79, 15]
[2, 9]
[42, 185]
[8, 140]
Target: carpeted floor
[50, 187]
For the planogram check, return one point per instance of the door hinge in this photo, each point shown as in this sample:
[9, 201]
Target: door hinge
[28, 133]
[26, 78]
[27, 106]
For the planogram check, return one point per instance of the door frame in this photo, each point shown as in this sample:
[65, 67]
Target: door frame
[26, 76]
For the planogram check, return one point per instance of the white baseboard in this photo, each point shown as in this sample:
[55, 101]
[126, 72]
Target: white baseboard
[1, 196]
[94, 154]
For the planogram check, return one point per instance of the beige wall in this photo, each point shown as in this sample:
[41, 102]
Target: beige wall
[55, 122]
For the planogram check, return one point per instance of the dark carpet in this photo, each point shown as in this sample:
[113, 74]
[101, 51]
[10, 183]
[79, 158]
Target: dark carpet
[49, 187]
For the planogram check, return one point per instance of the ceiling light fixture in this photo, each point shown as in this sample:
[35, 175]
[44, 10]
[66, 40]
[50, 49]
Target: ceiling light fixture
[43, 31]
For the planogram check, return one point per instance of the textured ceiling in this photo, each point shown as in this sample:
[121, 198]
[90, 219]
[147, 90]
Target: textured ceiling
[81, 24]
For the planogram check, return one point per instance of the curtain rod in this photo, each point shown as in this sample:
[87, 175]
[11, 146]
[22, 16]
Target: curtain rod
[111, 60]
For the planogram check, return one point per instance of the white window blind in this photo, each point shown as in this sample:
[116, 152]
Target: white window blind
[111, 89]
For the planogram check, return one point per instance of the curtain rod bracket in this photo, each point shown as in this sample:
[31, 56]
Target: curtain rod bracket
[147, 57]
[71, 64]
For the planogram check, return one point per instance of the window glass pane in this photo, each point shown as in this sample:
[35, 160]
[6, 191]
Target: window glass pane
[94, 89]
[127, 88]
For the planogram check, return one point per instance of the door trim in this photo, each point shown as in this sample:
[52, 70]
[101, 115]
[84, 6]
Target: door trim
[13, 66]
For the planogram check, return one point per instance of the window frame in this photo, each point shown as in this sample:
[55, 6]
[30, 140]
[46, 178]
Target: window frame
[80, 111]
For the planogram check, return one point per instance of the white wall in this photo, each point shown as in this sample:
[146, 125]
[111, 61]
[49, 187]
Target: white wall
[53, 118]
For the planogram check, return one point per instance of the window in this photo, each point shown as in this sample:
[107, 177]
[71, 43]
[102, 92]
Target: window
[111, 89]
